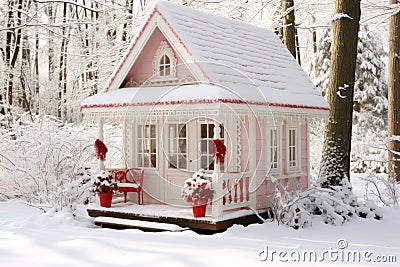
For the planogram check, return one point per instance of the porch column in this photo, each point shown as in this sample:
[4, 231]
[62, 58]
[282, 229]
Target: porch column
[253, 125]
[101, 138]
[216, 208]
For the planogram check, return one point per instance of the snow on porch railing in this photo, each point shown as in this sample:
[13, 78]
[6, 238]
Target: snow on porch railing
[232, 191]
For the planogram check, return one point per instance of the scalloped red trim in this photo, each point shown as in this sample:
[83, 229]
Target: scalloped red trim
[202, 101]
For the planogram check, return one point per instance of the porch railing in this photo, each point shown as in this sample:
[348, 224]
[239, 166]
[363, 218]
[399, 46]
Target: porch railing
[232, 191]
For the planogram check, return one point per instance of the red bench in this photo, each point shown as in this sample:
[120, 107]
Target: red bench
[130, 180]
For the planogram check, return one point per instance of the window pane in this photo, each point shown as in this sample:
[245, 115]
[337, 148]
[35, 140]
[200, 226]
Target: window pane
[167, 71]
[182, 162]
[204, 146]
[166, 60]
[210, 130]
[182, 131]
[210, 163]
[140, 146]
[204, 131]
[172, 162]
[204, 162]
[153, 131]
[182, 146]
[153, 146]
[153, 160]
[146, 161]
[172, 131]
[172, 145]
[146, 146]
[146, 132]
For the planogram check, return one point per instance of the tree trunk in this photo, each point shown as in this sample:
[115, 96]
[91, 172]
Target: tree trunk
[394, 94]
[335, 164]
[13, 40]
[51, 12]
[297, 48]
[128, 18]
[62, 76]
[288, 26]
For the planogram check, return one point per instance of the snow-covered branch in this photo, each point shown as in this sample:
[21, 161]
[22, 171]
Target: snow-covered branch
[68, 2]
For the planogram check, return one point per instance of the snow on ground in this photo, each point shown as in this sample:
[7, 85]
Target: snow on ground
[28, 237]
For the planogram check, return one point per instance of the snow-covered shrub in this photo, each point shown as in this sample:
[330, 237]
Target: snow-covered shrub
[334, 205]
[388, 192]
[41, 162]
[79, 187]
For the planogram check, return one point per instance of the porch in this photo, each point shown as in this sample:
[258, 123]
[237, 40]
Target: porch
[230, 205]
[167, 218]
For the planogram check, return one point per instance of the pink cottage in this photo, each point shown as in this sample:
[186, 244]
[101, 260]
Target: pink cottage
[189, 78]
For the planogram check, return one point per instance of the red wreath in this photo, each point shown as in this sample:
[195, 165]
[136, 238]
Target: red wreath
[101, 149]
[218, 149]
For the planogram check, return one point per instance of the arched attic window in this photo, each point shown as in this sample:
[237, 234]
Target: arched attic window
[164, 63]
[164, 66]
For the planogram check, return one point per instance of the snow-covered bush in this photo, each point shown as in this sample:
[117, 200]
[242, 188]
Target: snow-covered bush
[388, 192]
[41, 162]
[334, 205]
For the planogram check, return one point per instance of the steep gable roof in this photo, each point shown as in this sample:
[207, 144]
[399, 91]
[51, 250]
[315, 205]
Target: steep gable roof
[244, 59]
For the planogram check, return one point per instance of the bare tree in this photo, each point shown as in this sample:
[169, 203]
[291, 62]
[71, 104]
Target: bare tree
[335, 164]
[394, 95]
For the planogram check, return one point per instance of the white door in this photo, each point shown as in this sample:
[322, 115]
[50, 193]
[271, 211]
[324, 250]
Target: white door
[178, 165]
[186, 149]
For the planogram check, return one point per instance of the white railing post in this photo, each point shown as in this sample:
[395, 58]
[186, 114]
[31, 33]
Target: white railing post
[216, 207]
[101, 138]
[253, 124]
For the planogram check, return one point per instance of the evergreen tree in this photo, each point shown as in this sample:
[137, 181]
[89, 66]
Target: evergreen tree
[370, 96]
[370, 87]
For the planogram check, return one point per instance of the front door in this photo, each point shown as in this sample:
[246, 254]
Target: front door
[186, 149]
[178, 167]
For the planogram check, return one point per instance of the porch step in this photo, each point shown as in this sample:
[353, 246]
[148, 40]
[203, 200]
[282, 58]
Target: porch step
[136, 224]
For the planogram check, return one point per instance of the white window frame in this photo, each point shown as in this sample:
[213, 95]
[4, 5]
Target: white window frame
[176, 138]
[296, 146]
[208, 139]
[164, 50]
[140, 139]
[270, 167]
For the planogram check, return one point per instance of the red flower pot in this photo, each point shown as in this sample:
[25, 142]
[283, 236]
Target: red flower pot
[105, 198]
[199, 210]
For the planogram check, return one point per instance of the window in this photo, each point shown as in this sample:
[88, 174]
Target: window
[206, 135]
[147, 145]
[177, 146]
[293, 159]
[164, 63]
[164, 67]
[273, 147]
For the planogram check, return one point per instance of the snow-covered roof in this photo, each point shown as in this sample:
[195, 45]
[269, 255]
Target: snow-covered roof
[241, 61]
[190, 94]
